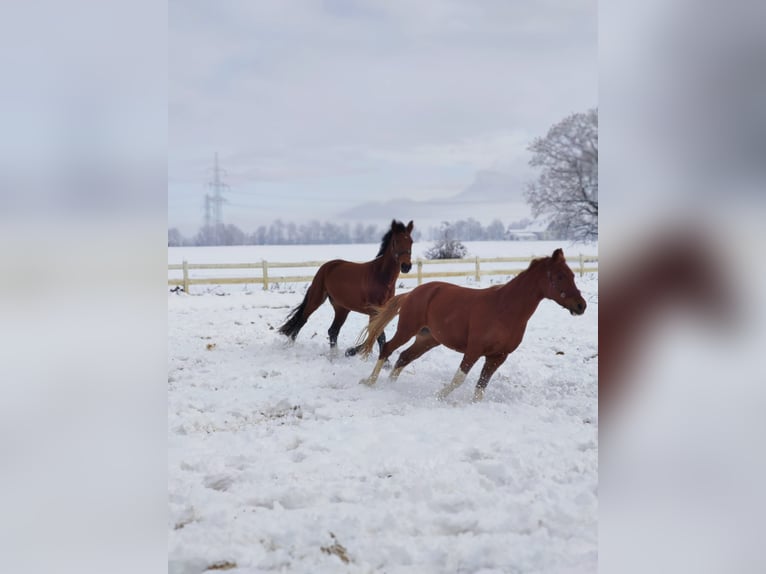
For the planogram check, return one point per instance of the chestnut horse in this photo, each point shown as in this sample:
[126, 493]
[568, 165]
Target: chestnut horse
[476, 322]
[359, 287]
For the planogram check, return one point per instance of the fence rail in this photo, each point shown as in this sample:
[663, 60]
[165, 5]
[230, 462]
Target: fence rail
[474, 269]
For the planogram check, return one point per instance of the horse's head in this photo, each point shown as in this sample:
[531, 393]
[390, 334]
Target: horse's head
[401, 244]
[559, 284]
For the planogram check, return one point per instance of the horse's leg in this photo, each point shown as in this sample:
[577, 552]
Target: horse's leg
[403, 334]
[381, 340]
[491, 364]
[314, 300]
[341, 313]
[465, 365]
[351, 351]
[424, 342]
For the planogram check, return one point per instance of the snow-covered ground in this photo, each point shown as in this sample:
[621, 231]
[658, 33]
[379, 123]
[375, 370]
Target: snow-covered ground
[280, 461]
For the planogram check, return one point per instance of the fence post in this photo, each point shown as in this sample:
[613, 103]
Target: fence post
[582, 265]
[265, 266]
[478, 271]
[186, 276]
[420, 271]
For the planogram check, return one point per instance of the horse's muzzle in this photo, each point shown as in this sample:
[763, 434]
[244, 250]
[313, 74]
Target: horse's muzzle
[406, 267]
[578, 308]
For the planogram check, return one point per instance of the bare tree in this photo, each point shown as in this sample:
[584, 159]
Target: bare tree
[446, 247]
[175, 239]
[222, 234]
[566, 191]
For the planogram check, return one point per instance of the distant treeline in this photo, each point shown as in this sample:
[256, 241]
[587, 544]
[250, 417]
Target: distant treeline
[315, 232]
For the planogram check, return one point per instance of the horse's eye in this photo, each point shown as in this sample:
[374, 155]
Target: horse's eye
[560, 277]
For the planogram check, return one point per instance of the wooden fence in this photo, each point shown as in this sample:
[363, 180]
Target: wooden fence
[265, 278]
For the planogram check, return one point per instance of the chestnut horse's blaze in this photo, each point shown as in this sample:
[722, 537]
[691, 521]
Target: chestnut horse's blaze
[476, 322]
[360, 287]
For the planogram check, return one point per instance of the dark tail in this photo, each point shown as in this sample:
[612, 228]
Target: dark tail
[295, 319]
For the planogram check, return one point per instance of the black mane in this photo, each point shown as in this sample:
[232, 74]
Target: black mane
[396, 227]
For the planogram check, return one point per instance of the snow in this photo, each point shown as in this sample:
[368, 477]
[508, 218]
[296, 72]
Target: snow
[279, 461]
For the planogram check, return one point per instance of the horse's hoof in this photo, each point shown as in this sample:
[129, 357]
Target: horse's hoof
[366, 382]
[350, 352]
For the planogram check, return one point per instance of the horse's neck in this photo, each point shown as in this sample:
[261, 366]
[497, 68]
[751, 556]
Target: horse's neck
[386, 267]
[522, 295]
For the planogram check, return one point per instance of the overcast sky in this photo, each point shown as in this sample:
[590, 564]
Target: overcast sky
[314, 107]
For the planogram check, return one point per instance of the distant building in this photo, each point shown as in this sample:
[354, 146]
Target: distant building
[531, 233]
[521, 235]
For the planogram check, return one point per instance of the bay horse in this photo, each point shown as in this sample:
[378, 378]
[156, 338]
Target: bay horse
[359, 287]
[486, 323]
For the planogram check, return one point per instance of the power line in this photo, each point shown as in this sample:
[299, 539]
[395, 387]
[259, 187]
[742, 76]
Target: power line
[214, 203]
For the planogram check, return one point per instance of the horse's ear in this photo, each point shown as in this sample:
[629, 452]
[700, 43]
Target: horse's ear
[393, 224]
[410, 226]
[558, 255]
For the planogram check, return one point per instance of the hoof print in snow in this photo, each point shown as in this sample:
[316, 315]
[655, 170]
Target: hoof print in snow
[337, 549]
[220, 482]
[282, 410]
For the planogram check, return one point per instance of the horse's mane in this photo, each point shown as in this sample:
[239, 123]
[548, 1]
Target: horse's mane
[396, 227]
[532, 264]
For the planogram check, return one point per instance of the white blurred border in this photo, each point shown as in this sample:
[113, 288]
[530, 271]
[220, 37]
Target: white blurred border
[83, 334]
[683, 133]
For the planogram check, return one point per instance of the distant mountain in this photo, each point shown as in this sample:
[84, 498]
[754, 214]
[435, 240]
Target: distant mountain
[493, 186]
[492, 195]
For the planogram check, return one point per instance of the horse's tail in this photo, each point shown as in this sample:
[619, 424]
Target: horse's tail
[383, 316]
[295, 320]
